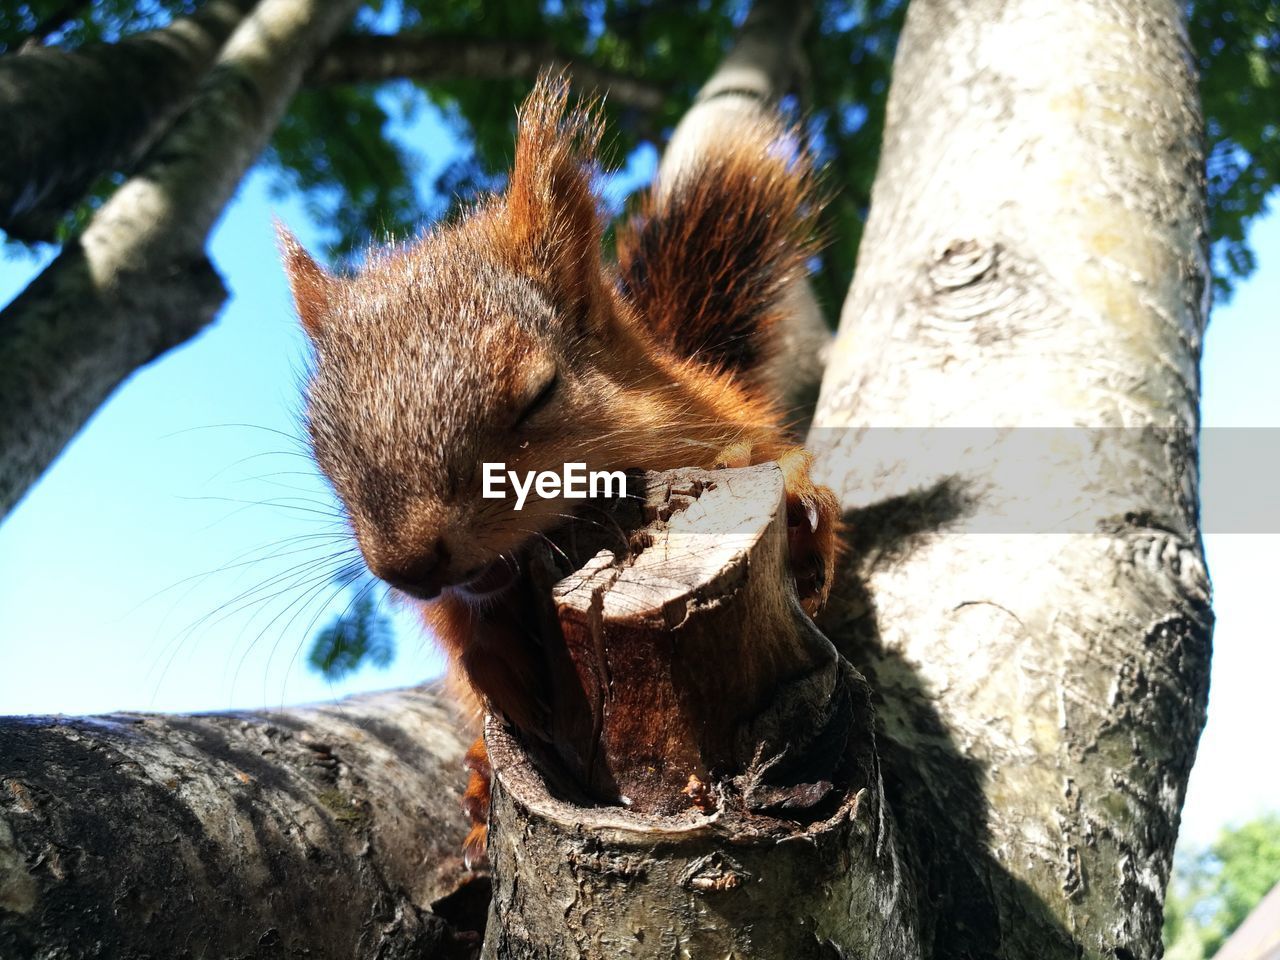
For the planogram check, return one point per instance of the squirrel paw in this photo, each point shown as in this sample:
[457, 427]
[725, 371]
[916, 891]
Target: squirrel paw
[813, 520]
[813, 527]
[475, 804]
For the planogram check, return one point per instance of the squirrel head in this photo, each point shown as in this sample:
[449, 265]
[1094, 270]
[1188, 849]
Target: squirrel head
[479, 342]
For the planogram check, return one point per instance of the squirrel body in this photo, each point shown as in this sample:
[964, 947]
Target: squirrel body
[505, 337]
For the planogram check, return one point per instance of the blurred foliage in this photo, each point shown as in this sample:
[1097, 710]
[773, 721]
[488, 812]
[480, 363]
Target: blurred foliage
[331, 147]
[670, 43]
[1237, 44]
[850, 49]
[360, 635]
[362, 185]
[1213, 889]
[73, 22]
[674, 46]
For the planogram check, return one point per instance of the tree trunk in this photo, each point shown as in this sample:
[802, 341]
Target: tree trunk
[715, 789]
[1027, 592]
[95, 110]
[330, 831]
[137, 283]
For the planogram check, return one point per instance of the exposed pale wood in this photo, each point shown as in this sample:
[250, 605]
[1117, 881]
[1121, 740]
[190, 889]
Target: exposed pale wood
[681, 649]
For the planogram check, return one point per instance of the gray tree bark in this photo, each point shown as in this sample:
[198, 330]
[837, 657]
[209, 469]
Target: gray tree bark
[329, 831]
[137, 281]
[95, 110]
[1027, 592]
[714, 789]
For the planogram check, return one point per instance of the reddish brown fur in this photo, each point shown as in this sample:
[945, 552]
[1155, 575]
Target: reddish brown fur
[427, 358]
[743, 222]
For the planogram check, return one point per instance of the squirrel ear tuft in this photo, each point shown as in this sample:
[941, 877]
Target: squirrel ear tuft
[311, 284]
[551, 210]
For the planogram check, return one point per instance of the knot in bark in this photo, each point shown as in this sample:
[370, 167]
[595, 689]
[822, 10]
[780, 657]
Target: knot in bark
[962, 263]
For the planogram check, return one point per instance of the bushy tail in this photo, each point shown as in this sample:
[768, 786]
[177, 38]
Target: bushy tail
[708, 259]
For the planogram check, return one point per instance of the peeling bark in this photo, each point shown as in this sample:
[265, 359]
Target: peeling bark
[111, 301]
[95, 110]
[329, 831]
[1027, 592]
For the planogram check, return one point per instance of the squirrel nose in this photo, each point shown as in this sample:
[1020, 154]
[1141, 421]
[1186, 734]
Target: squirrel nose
[417, 573]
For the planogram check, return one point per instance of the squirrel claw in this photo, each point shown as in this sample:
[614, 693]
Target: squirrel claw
[475, 804]
[811, 580]
[475, 854]
[811, 512]
[813, 523]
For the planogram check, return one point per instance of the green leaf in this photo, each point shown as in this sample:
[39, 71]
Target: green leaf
[359, 635]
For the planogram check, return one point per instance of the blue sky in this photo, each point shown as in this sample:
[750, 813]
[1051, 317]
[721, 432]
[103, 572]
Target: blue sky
[168, 560]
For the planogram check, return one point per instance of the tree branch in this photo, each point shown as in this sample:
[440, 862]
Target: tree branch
[325, 831]
[714, 783]
[361, 58]
[757, 72]
[71, 337]
[95, 110]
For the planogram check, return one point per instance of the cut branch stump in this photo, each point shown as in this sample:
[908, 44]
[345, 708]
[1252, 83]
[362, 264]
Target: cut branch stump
[720, 794]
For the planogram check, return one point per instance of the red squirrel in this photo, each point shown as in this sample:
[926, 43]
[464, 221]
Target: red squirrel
[505, 337]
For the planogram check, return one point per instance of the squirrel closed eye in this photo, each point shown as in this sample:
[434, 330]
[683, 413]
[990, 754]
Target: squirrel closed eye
[540, 400]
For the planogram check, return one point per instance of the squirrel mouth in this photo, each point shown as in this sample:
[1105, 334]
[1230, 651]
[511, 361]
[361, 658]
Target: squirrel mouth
[494, 578]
